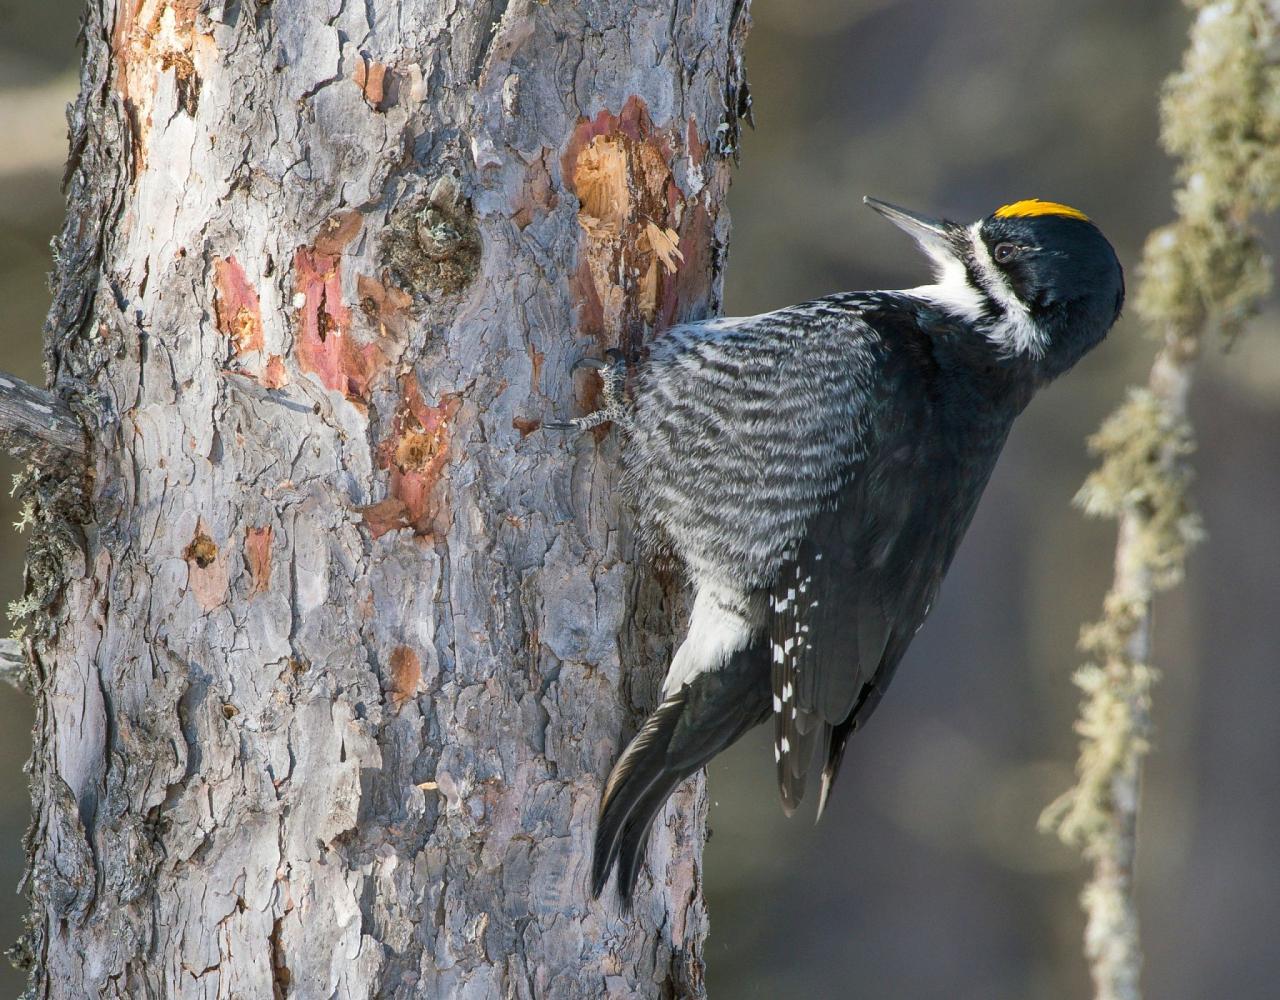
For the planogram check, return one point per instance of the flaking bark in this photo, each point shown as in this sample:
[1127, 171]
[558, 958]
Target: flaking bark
[333, 653]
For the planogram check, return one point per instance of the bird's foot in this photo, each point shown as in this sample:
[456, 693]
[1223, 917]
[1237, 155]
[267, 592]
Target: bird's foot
[613, 380]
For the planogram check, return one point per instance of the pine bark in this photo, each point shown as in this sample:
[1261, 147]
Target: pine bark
[332, 647]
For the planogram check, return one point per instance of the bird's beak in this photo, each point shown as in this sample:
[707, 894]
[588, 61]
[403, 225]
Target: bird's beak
[940, 239]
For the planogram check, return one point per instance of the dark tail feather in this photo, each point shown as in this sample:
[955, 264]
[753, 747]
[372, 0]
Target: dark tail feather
[635, 837]
[640, 767]
[838, 737]
[689, 728]
[836, 742]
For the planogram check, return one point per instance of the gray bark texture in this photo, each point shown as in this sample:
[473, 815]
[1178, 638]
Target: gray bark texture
[332, 648]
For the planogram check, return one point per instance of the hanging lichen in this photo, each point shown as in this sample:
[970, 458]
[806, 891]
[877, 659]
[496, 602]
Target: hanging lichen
[1205, 271]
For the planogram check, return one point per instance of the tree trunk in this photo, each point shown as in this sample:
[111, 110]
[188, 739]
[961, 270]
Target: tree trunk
[333, 648]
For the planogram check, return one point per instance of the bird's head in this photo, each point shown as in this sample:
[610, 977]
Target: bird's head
[1036, 279]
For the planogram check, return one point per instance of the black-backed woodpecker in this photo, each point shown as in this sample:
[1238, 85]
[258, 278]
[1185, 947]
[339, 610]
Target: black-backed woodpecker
[814, 469]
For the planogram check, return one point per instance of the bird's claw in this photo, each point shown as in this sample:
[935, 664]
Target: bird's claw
[613, 380]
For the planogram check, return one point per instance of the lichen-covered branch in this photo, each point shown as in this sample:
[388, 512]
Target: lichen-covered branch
[35, 423]
[1203, 272]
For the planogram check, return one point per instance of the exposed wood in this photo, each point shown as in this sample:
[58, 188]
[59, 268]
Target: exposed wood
[332, 664]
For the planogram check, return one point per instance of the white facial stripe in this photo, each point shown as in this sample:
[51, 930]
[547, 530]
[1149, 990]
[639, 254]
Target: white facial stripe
[953, 293]
[951, 288]
[1015, 332]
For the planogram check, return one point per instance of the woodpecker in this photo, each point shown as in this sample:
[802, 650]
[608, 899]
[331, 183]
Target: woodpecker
[814, 469]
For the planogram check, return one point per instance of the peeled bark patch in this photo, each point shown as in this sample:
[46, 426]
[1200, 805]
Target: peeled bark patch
[274, 375]
[386, 515]
[416, 455]
[238, 312]
[154, 37]
[665, 244]
[257, 557]
[374, 81]
[324, 345]
[337, 232]
[630, 211]
[206, 570]
[603, 188]
[406, 675]
[201, 551]
[698, 250]
[384, 304]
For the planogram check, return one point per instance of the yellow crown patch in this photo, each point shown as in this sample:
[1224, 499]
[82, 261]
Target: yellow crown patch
[1034, 206]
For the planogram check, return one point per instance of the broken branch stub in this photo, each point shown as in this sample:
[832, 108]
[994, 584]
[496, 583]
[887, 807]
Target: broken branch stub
[36, 425]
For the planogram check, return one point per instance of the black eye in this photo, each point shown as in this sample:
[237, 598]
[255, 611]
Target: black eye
[1005, 252]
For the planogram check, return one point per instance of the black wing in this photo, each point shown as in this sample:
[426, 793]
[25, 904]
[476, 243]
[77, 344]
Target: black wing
[855, 591]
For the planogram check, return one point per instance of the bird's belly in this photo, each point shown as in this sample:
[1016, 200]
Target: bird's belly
[729, 503]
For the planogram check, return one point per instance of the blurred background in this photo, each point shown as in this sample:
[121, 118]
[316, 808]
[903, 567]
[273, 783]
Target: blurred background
[927, 878]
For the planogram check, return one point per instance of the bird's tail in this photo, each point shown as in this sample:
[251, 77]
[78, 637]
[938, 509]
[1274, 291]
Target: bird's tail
[692, 725]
